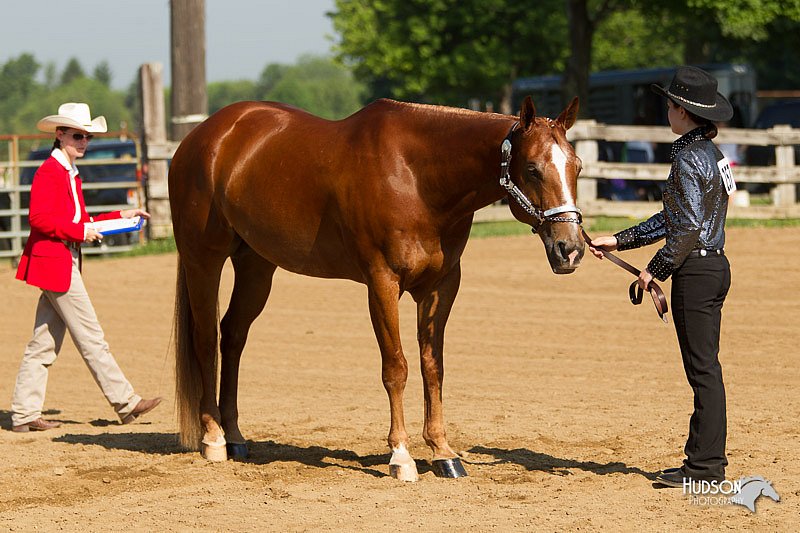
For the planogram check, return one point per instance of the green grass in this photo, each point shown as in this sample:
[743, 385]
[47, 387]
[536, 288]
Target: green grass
[152, 247]
[762, 223]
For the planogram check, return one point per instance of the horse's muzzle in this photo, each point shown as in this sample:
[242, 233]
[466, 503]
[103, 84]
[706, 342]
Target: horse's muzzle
[564, 254]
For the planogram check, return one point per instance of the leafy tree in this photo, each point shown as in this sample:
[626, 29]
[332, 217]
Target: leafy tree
[746, 19]
[223, 93]
[271, 74]
[631, 39]
[72, 71]
[102, 100]
[705, 27]
[102, 73]
[771, 57]
[50, 74]
[17, 84]
[316, 84]
[449, 51]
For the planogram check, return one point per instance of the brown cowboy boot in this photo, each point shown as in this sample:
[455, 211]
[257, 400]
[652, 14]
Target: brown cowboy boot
[40, 424]
[143, 407]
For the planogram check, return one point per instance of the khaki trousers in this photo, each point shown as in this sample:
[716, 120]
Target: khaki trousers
[56, 313]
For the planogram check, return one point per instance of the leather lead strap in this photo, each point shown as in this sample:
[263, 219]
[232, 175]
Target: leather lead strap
[634, 291]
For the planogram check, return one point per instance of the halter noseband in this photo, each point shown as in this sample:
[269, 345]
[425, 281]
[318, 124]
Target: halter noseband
[516, 193]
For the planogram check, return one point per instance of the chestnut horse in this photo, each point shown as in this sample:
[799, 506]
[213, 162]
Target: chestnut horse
[384, 197]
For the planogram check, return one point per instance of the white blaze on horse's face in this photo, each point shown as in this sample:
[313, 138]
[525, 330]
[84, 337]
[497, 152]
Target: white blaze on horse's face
[559, 159]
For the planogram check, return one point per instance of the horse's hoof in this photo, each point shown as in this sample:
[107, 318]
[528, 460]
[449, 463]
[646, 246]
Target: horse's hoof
[214, 452]
[450, 468]
[404, 472]
[237, 451]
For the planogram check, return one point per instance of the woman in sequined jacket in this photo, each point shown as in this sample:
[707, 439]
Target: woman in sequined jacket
[692, 225]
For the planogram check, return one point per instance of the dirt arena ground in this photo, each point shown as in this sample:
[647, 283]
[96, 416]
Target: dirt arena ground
[563, 398]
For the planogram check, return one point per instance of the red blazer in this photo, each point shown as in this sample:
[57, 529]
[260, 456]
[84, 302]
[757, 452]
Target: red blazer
[46, 261]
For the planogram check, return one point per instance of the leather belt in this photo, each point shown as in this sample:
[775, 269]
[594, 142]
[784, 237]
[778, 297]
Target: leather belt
[706, 253]
[73, 245]
[635, 292]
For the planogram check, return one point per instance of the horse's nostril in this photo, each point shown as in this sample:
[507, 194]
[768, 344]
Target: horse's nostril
[562, 250]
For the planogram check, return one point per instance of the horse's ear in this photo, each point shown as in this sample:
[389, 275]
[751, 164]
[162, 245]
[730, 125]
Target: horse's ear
[570, 114]
[527, 114]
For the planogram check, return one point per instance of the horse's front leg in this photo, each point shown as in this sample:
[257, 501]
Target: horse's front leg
[433, 309]
[251, 288]
[384, 292]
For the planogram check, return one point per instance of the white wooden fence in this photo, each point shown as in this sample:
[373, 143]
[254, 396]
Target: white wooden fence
[586, 136]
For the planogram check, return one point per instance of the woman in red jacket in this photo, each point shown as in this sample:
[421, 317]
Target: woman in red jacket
[51, 261]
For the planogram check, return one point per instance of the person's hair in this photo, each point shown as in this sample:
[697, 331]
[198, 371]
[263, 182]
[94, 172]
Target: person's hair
[709, 126]
[57, 143]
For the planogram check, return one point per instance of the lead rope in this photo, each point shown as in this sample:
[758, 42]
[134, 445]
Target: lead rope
[635, 292]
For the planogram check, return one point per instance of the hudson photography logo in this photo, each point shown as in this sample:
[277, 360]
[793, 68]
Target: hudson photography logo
[744, 492]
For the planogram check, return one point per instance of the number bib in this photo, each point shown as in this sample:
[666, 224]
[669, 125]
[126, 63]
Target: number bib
[727, 175]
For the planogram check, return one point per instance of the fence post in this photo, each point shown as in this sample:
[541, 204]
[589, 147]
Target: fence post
[587, 150]
[16, 197]
[784, 194]
[155, 132]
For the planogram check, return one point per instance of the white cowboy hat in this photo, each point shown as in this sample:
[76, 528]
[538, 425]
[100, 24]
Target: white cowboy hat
[73, 115]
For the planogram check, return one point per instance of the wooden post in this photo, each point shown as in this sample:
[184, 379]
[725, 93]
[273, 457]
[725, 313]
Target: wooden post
[154, 132]
[188, 60]
[588, 151]
[784, 194]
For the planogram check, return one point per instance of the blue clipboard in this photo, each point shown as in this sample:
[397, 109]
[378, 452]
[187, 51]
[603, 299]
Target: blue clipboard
[135, 224]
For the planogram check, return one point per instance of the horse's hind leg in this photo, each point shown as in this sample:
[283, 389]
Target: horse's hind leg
[433, 310]
[202, 283]
[384, 292]
[251, 288]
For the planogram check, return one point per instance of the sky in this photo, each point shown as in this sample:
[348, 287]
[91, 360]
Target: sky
[242, 36]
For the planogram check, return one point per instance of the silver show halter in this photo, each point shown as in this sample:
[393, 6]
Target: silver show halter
[520, 197]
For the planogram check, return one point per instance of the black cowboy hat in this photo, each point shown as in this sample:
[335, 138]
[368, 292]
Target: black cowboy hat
[696, 90]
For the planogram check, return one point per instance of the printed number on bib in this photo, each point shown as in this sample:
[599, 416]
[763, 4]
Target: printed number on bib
[727, 175]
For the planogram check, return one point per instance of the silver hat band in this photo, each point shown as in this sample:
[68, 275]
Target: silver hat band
[689, 101]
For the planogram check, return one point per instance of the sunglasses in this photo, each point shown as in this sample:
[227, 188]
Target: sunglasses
[82, 136]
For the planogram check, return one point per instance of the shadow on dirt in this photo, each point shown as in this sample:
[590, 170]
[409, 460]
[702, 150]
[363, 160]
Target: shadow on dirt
[260, 453]
[151, 443]
[553, 465]
[318, 456]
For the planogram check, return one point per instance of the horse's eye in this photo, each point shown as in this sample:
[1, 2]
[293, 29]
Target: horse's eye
[534, 172]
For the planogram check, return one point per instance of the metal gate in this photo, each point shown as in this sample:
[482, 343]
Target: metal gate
[113, 175]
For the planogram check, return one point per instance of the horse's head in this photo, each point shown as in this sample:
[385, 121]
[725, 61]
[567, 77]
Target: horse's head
[545, 169]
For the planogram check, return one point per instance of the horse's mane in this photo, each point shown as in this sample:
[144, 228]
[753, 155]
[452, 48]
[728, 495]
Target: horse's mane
[437, 110]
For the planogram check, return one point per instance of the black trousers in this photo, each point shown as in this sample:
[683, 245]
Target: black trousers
[699, 288]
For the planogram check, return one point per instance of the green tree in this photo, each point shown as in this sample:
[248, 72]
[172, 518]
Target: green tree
[745, 19]
[271, 75]
[102, 100]
[631, 39]
[223, 93]
[703, 29]
[449, 51]
[17, 84]
[102, 73]
[72, 71]
[316, 84]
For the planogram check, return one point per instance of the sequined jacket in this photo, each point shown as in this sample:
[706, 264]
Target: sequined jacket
[695, 208]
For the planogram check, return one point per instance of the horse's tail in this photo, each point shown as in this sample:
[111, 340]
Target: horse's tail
[188, 383]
